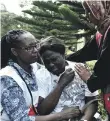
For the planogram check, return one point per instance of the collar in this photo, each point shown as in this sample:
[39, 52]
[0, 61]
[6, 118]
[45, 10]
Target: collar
[21, 70]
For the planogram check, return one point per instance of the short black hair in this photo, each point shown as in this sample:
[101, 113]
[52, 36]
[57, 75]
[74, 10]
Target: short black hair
[52, 43]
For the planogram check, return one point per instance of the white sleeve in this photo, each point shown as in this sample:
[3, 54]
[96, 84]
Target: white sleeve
[42, 80]
[42, 89]
[88, 93]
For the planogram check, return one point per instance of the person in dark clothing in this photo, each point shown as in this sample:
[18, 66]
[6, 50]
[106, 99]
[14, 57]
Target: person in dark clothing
[102, 67]
[97, 49]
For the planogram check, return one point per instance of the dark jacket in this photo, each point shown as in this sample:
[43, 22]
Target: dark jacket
[101, 76]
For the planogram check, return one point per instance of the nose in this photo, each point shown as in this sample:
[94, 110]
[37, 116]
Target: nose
[51, 65]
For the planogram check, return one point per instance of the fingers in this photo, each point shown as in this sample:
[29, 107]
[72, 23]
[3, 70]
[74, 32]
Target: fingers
[75, 113]
[69, 71]
[71, 112]
[80, 67]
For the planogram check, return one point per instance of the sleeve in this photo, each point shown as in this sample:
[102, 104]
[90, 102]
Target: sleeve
[101, 76]
[87, 53]
[88, 93]
[42, 88]
[12, 100]
[43, 79]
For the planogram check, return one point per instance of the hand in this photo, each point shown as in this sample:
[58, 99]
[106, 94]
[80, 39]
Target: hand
[82, 71]
[66, 77]
[70, 113]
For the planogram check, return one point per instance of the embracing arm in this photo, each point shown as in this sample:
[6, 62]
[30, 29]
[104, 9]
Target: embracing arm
[63, 115]
[51, 117]
[12, 100]
[14, 104]
[90, 110]
[87, 53]
[101, 76]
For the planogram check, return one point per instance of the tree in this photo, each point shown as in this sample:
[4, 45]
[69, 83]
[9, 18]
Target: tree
[7, 22]
[61, 19]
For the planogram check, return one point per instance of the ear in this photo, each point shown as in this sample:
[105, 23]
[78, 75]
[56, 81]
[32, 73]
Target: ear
[13, 50]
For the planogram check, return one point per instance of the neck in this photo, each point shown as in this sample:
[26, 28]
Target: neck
[25, 66]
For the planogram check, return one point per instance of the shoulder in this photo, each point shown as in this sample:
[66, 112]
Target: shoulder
[71, 64]
[8, 83]
[6, 77]
[43, 75]
[36, 66]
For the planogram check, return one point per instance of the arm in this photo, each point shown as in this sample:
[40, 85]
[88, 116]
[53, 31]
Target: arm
[90, 110]
[13, 102]
[63, 115]
[50, 102]
[51, 117]
[87, 53]
[101, 76]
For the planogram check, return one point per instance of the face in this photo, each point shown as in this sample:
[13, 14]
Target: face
[54, 62]
[26, 49]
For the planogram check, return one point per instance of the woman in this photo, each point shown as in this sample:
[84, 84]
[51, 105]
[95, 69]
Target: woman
[19, 90]
[76, 93]
[97, 49]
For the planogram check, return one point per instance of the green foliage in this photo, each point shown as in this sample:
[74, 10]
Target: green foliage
[62, 19]
[47, 5]
[8, 23]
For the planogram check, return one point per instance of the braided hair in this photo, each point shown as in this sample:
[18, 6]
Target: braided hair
[7, 42]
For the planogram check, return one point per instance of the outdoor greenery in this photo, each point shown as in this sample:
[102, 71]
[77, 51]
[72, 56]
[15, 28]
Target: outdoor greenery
[63, 19]
[8, 22]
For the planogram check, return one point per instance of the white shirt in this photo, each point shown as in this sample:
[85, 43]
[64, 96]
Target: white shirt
[73, 94]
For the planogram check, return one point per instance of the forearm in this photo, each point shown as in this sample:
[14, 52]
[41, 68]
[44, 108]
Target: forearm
[50, 102]
[87, 53]
[51, 117]
[89, 112]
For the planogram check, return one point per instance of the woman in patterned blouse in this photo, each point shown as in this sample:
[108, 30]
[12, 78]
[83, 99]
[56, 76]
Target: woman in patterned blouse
[18, 51]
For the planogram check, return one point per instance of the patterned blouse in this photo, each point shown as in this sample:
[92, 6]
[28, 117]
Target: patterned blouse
[12, 98]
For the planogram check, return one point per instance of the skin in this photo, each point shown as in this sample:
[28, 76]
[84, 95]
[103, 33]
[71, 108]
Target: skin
[55, 63]
[24, 59]
[49, 103]
[82, 72]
